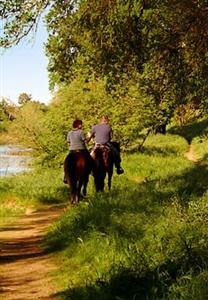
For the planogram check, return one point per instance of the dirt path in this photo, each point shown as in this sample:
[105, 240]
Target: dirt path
[24, 267]
[190, 155]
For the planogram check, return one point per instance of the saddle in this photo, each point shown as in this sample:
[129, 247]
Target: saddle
[100, 146]
[77, 151]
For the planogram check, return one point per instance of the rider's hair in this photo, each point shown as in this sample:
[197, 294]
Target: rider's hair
[105, 118]
[77, 123]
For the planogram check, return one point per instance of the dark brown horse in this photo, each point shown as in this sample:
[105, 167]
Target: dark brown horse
[77, 167]
[103, 165]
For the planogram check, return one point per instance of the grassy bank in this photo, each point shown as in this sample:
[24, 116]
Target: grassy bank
[146, 239]
[30, 190]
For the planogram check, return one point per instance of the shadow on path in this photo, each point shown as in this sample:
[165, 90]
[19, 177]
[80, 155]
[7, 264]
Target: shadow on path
[190, 131]
[24, 265]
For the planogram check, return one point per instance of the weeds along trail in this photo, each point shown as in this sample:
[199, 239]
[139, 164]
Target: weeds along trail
[24, 267]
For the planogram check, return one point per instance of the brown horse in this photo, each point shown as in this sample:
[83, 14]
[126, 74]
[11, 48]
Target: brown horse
[103, 165]
[77, 168]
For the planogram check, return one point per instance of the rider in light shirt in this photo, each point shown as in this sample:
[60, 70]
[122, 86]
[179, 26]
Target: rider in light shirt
[77, 142]
[103, 133]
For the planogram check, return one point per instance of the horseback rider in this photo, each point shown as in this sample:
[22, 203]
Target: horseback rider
[77, 141]
[103, 133]
[76, 137]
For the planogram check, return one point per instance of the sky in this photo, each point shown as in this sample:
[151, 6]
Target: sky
[23, 69]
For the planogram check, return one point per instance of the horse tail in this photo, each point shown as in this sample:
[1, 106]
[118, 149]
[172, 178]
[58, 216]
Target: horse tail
[69, 171]
[69, 164]
[101, 166]
[83, 164]
[98, 158]
[106, 157]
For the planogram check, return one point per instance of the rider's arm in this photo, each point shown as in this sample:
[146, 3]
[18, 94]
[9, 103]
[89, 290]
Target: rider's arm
[83, 137]
[91, 135]
[68, 138]
[111, 133]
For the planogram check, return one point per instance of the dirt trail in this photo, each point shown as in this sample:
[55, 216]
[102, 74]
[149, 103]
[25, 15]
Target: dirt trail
[192, 156]
[24, 267]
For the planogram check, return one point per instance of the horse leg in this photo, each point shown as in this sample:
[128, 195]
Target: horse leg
[96, 182]
[79, 187]
[102, 185]
[73, 187]
[84, 190]
[77, 197]
[73, 198]
[99, 180]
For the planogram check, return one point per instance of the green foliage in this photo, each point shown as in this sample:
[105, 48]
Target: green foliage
[24, 98]
[195, 130]
[173, 73]
[18, 19]
[157, 47]
[30, 190]
[147, 238]
[136, 61]
[8, 210]
[200, 144]
[3, 120]
[28, 125]
[38, 186]
[7, 113]
[87, 100]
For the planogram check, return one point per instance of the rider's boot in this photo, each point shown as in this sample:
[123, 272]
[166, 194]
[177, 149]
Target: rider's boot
[119, 170]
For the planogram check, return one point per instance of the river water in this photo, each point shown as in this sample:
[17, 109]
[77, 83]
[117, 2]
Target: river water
[14, 159]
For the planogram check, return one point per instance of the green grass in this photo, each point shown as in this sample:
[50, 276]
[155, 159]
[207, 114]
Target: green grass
[146, 239]
[200, 146]
[32, 189]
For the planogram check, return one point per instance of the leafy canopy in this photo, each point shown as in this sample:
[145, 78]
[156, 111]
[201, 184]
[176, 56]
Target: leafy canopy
[151, 55]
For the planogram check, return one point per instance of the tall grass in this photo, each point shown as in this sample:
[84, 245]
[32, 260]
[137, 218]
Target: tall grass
[146, 239]
[32, 189]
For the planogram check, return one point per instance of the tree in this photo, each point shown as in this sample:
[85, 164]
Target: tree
[8, 109]
[19, 18]
[24, 98]
[28, 128]
[161, 44]
[8, 112]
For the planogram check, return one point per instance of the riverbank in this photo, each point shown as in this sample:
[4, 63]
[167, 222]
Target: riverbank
[30, 190]
[6, 138]
[14, 159]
